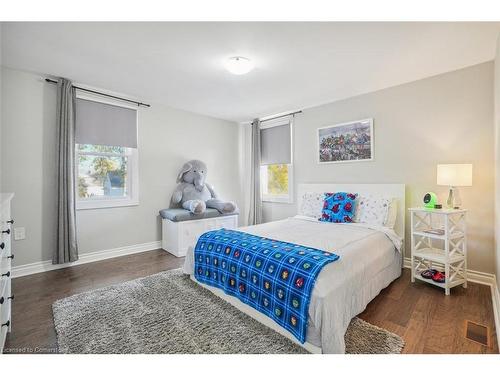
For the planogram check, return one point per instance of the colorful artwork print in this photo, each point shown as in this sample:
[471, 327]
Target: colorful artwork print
[351, 141]
[274, 277]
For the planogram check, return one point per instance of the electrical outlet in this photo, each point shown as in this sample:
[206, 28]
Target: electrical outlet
[19, 233]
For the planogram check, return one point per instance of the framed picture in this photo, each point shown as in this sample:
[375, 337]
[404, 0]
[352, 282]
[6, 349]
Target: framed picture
[350, 141]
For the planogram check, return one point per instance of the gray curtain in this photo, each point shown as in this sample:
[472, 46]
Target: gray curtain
[255, 211]
[67, 248]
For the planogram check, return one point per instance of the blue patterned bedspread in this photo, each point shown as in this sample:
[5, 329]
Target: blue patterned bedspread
[274, 277]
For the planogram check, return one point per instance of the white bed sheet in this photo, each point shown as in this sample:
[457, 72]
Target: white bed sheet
[369, 261]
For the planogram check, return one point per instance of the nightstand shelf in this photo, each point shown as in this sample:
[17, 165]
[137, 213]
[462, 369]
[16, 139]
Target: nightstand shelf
[437, 255]
[454, 235]
[440, 285]
[445, 251]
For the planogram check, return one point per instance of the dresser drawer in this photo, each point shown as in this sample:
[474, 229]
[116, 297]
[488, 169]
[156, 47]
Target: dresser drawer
[5, 241]
[5, 252]
[4, 213]
[4, 286]
[3, 258]
[5, 310]
[5, 316]
[5, 266]
[5, 262]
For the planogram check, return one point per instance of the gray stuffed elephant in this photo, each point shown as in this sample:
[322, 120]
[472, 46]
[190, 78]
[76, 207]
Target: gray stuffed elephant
[194, 194]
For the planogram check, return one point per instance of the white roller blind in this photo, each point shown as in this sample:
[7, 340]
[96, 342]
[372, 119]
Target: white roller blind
[276, 145]
[105, 124]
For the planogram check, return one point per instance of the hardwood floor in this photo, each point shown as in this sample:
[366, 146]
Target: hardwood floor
[431, 322]
[428, 321]
[32, 323]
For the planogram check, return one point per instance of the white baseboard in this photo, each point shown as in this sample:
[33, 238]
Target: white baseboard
[481, 278]
[31, 268]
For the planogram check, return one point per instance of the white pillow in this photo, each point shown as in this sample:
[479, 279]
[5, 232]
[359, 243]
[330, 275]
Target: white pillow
[312, 204]
[372, 210]
[392, 214]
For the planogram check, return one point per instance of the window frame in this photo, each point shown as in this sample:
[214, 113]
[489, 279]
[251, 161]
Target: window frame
[132, 198]
[272, 198]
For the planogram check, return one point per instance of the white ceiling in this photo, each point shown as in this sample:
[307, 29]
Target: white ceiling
[298, 65]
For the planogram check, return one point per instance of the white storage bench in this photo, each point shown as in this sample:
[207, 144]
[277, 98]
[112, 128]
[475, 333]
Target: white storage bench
[181, 229]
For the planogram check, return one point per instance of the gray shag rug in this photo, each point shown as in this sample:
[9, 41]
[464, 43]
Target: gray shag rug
[169, 313]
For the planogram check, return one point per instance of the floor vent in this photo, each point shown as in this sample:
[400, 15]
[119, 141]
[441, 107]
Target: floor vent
[477, 333]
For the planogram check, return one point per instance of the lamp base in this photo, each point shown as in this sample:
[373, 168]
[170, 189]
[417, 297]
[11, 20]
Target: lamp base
[453, 200]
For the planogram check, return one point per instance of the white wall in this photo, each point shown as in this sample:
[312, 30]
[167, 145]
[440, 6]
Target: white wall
[167, 138]
[1, 53]
[442, 119]
[497, 161]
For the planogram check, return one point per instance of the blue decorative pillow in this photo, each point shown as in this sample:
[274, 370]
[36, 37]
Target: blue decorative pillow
[338, 207]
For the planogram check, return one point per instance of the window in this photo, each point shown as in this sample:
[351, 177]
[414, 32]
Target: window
[275, 182]
[106, 154]
[104, 175]
[276, 171]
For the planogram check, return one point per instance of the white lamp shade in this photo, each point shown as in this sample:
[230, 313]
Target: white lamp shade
[454, 174]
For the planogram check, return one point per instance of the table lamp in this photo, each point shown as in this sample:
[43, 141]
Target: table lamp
[454, 175]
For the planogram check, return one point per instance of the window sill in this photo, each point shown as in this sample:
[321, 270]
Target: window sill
[111, 203]
[268, 199]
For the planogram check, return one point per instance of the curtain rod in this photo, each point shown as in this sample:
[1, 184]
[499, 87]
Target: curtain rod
[103, 94]
[279, 116]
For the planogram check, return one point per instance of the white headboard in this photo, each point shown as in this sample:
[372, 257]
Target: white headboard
[382, 190]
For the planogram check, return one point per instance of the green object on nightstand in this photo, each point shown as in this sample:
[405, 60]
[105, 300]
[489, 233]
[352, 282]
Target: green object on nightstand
[430, 200]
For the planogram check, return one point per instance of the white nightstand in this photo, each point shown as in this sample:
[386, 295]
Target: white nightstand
[446, 250]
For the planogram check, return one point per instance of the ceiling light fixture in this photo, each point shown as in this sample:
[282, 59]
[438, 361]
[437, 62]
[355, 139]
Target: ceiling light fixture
[239, 65]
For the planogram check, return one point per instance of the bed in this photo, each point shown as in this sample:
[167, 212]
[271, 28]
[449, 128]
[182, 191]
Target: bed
[370, 259]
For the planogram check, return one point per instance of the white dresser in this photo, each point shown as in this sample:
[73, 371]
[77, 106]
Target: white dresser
[6, 257]
[177, 237]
